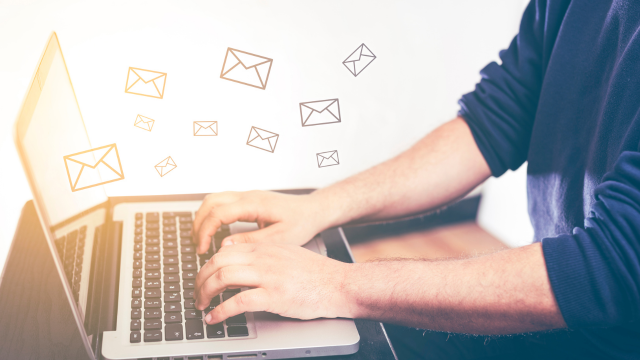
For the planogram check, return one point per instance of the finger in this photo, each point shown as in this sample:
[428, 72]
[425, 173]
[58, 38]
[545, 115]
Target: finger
[250, 300]
[209, 202]
[226, 277]
[224, 214]
[262, 235]
[246, 248]
[218, 262]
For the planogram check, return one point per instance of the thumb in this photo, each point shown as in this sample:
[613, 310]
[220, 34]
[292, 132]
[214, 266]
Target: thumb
[266, 234]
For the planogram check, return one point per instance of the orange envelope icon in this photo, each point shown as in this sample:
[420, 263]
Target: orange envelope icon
[359, 59]
[165, 166]
[145, 82]
[144, 123]
[205, 128]
[262, 139]
[93, 167]
[327, 158]
[246, 68]
[320, 112]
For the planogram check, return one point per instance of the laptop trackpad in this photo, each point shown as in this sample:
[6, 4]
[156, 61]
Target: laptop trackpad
[316, 244]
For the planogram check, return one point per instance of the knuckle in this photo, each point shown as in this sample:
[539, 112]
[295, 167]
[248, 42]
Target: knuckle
[222, 275]
[242, 300]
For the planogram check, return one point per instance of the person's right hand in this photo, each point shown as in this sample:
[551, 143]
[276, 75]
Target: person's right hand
[292, 219]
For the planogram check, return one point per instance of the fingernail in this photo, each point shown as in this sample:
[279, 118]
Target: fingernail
[226, 242]
[208, 318]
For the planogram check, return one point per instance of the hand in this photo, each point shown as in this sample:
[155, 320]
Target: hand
[287, 280]
[293, 219]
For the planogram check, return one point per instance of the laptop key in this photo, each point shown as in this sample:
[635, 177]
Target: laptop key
[153, 314]
[137, 255]
[136, 303]
[152, 325]
[185, 235]
[152, 266]
[137, 247]
[170, 244]
[171, 278]
[137, 239]
[172, 297]
[173, 332]
[186, 218]
[151, 294]
[135, 325]
[152, 233]
[138, 216]
[134, 337]
[192, 314]
[185, 242]
[171, 269]
[170, 252]
[188, 294]
[152, 304]
[172, 288]
[169, 236]
[170, 260]
[152, 284]
[136, 293]
[170, 221]
[189, 266]
[152, 226]
[188, 249]
[137, 231]
[235, 331]
[153, 217]
[172, 307]
[154, 335]
[152, 257]
[136, 283]
[137, 264]
[194, 329]
[188, 275]
[152, 241]
[151, 275]
[215, 331]
[239, 319]
[189, 284]
[189, 304]
[169, 229]
[136, 314]
[152, 249]
[185, 226]
[188, 258]
[175, 317]
[137, 273]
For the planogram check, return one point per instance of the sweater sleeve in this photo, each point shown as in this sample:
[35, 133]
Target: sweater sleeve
[595, 272]
[502, 108]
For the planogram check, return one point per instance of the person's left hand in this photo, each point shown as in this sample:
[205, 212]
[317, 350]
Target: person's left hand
[287, 280]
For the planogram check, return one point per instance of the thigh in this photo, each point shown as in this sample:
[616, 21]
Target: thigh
[411, 343]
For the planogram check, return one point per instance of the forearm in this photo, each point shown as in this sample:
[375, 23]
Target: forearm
[442, 167]
[502, 293]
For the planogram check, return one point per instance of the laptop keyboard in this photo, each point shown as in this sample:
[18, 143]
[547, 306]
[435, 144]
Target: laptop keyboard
[165, 265]
[71, 251]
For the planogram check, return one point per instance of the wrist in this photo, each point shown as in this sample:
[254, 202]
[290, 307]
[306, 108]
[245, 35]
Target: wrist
[349, 292]
[326, 210]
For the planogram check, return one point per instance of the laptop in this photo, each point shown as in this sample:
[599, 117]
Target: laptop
[129, 267]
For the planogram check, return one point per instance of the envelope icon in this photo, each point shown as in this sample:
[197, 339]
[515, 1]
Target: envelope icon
[144, 123]
[359, 59]
[93, 167]
[165, 166]
[205, 128]
[320, 112]
[145, 82]
[327, 158]
[246, 68]
[262, 139]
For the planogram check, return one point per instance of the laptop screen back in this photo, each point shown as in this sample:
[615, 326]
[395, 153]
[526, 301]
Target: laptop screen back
[49, 129]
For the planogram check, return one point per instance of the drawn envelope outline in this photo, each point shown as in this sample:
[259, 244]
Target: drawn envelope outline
[92, 163]
[205, 128]
[327, 158]
[254, 64]
[309, 108]
[359, 60]
[165, 166]
[263, 139]
[144, 122]
[145, 82]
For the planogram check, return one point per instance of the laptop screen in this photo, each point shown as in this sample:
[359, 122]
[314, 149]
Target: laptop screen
[56, 154]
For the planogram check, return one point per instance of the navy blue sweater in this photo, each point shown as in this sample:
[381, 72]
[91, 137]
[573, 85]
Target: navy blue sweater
[567, 100]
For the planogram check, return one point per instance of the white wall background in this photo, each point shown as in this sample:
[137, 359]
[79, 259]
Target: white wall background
[429, 53]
